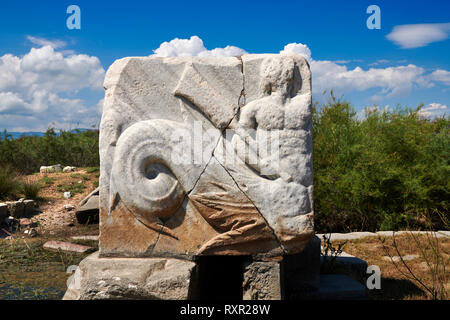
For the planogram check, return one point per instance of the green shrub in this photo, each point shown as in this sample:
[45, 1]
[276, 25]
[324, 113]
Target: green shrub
[28, 153]
[92, 169]
[382, 171]
[73, 187]
[30, 190]
[83, 177]
[47, 180]
[9, 182]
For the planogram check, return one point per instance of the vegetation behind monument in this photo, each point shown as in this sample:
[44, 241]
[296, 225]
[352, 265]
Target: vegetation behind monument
[382, 171]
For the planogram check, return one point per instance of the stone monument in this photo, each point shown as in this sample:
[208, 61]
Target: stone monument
[200, 157]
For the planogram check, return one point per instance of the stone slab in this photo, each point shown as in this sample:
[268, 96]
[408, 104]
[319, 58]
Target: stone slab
[89, 211]
[132, 278]
[362, 235]
[337, 287]
[92, 238]
[66, 246]
[407, 257]
[349, 265]
[16, 208]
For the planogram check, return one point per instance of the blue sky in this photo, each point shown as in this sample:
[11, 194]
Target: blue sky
[50, 75]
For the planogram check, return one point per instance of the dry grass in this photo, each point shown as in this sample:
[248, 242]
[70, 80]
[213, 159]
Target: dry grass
[394, 285]
[27, 271]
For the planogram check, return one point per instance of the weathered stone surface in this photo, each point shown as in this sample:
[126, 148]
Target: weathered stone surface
[444, 233]
[92, 238]
[347, 264]
[50, 169]
[89, 211]
[66, 246]
[407, 257]
[227, 209]
[301, 271]
[69, 169]
[27, 223]
[29, 206]
[4, 213]
[132, 278]
[95, 192]
[348, 236]
[277, 110]
[16, 208]
[361, 235]
[336, 287]
[262, 281]
[169, 128]
[68, 207]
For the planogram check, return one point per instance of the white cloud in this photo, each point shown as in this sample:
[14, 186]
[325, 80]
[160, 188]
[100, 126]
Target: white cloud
[41, 88]
[194, 47]
[410, 36]
[391, 81]
[433, 110]
[298, 48]
[441, 76]
[45, 42]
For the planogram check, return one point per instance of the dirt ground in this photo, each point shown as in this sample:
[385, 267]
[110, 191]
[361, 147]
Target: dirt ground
[53, 218]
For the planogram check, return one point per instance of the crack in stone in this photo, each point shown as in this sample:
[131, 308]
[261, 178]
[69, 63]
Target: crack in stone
[222, 132]
[157, 239]
[259, 212]
[242, 95]
[241, 103]
[163, 224]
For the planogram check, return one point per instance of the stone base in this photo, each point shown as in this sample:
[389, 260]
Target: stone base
[212, 277]
[336, 287]
[348, 265]
[262, 281]
[132, 278]
[301, 272]
[297, 273]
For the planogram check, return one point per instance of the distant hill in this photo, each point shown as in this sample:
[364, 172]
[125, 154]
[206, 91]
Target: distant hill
[16, 135]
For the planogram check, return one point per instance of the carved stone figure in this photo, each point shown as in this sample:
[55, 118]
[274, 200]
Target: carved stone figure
[206, 156]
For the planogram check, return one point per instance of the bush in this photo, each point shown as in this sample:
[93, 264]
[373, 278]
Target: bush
[92, 169]
[9, 183]
[384, 171]
[28, 153]
[30, 190]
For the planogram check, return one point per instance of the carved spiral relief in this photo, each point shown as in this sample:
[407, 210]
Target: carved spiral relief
[142, 175]
[244, 183]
